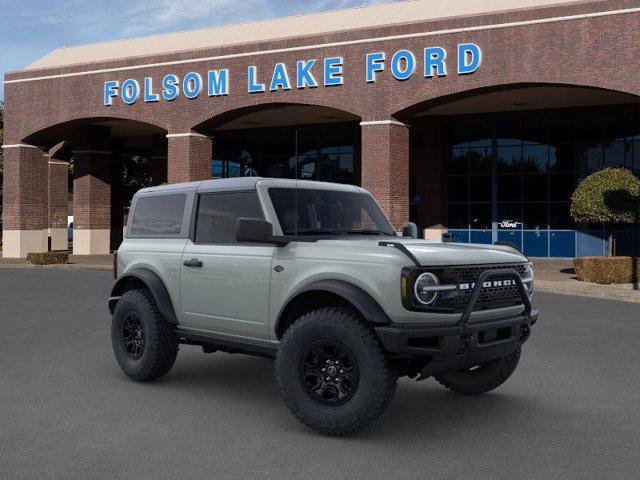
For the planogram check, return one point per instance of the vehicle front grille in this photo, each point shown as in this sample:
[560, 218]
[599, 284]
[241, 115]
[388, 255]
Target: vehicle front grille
[490, 297]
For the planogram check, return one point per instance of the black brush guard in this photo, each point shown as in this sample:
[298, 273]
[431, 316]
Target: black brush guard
[463, 344]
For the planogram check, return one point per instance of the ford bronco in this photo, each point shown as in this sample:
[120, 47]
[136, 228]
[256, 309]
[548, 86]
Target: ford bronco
[314, 275]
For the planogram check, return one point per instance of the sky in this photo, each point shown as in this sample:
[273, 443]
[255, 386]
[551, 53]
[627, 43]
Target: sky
[29, 29]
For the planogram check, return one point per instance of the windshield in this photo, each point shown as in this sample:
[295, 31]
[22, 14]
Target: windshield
[328, 212]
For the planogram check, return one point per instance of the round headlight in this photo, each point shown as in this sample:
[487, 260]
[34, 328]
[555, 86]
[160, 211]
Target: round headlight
[423, 293]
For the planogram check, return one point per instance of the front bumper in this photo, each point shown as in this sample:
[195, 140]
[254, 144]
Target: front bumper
[446, 347]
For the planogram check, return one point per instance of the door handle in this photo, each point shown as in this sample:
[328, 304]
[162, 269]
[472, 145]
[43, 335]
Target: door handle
[194, 262]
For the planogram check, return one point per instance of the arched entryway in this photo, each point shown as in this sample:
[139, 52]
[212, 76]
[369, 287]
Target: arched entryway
[85, 170]
[500, 164]
[286, 141]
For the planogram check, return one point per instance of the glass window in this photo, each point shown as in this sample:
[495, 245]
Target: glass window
[535, 216]
[535, 188]
[561, 187]
[509, 187]
[562, 158]
[509, 159]
[480, 160]
[510, 216]
[535, 158]
[158, 215]
[480, 216]
[218, 212]
[458, 189]
[618, 154]
[458, 216]
[559, 217]
[481, 188]
[459, 161]
[328, 212]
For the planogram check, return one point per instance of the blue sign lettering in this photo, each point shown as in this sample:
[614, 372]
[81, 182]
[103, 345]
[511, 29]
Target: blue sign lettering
[402, 67]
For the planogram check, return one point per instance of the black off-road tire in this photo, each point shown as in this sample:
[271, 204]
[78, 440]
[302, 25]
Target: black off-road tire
[482, 379]
[376, 376]
[160, 348]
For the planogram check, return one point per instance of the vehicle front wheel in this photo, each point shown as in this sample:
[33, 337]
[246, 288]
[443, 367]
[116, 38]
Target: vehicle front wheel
[481, 378]
[144, 344]
[333, 373]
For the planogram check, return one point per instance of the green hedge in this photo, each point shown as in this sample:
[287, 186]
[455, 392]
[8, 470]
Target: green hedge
[611, 195]
[607, 270]
[48, 258]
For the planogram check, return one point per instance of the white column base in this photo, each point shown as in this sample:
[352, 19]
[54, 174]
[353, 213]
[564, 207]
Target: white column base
[17, 243]
[58, 238]
[91, 242]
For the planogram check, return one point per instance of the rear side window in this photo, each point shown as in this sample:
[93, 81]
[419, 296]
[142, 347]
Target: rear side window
[218, 212]
[159, 215]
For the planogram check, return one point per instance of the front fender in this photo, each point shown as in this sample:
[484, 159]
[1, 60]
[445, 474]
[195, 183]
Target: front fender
[361, 300]
[153, 283]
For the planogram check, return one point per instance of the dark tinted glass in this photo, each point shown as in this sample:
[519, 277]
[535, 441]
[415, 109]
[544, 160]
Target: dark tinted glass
[509, 187]
[218, 212]
[481, 188]
[480, 215]
[535, 216]
[159, 215]
[327, 212]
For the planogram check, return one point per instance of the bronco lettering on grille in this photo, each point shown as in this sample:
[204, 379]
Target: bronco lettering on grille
[489, 284]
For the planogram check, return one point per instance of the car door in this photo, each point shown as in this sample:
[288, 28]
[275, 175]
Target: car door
[225, 284]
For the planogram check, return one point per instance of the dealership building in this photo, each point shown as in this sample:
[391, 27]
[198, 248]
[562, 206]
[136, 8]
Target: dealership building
[472, 118]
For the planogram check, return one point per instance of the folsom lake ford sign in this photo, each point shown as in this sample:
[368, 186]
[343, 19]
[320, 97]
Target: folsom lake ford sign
[308, 73]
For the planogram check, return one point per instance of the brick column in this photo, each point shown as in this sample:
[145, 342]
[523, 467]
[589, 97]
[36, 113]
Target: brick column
[159, 159]
[189, 157]
[25, 211]
[385, 167]
[91, 202]
[58, 191]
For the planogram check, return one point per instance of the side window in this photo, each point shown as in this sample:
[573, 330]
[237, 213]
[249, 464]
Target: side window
[217, 214]
[158, 215]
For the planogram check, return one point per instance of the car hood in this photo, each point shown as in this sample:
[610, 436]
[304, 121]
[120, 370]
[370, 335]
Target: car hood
[432, 253]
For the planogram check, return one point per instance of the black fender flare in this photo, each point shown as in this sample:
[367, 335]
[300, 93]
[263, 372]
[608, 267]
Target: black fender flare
[154, 284]
[366, 305]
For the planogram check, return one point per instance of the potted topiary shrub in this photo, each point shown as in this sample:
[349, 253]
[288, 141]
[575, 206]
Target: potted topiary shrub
[609, 196]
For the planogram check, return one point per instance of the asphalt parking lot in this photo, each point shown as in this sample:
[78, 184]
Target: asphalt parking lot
[571, 410]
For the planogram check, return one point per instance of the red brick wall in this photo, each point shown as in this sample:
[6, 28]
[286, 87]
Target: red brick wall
[25, 189]
[58, 188]
[189, 158]
[385, 168]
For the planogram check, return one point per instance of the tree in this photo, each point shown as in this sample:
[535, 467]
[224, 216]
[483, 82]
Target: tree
[609, 196]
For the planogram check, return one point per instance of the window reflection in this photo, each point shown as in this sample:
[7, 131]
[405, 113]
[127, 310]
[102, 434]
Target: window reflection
[538, 159]
[323, 153]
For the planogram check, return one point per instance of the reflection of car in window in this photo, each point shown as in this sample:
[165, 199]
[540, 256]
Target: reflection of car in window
[314, 275]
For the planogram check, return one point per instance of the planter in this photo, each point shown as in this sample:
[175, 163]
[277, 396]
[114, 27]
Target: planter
[607, 270]
[48, 258]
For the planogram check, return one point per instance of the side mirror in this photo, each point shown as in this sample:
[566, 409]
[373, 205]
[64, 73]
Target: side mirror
[410, 230]
[253, 230]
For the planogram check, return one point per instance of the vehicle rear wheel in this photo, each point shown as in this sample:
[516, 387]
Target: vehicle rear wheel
[144, 344]
[481, 378]
[333, 373]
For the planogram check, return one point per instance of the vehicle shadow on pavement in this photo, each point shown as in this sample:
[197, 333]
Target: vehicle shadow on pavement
[419, 411]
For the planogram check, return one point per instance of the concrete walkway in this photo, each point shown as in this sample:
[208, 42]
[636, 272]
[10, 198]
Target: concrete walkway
[558, 276]
[551, 275]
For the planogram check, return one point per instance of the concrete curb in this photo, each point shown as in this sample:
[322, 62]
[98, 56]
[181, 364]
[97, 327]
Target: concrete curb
[66, 266]
[590, 291]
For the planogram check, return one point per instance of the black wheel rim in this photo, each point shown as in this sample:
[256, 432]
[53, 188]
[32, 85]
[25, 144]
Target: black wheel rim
[133, 337]
[329, 373]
